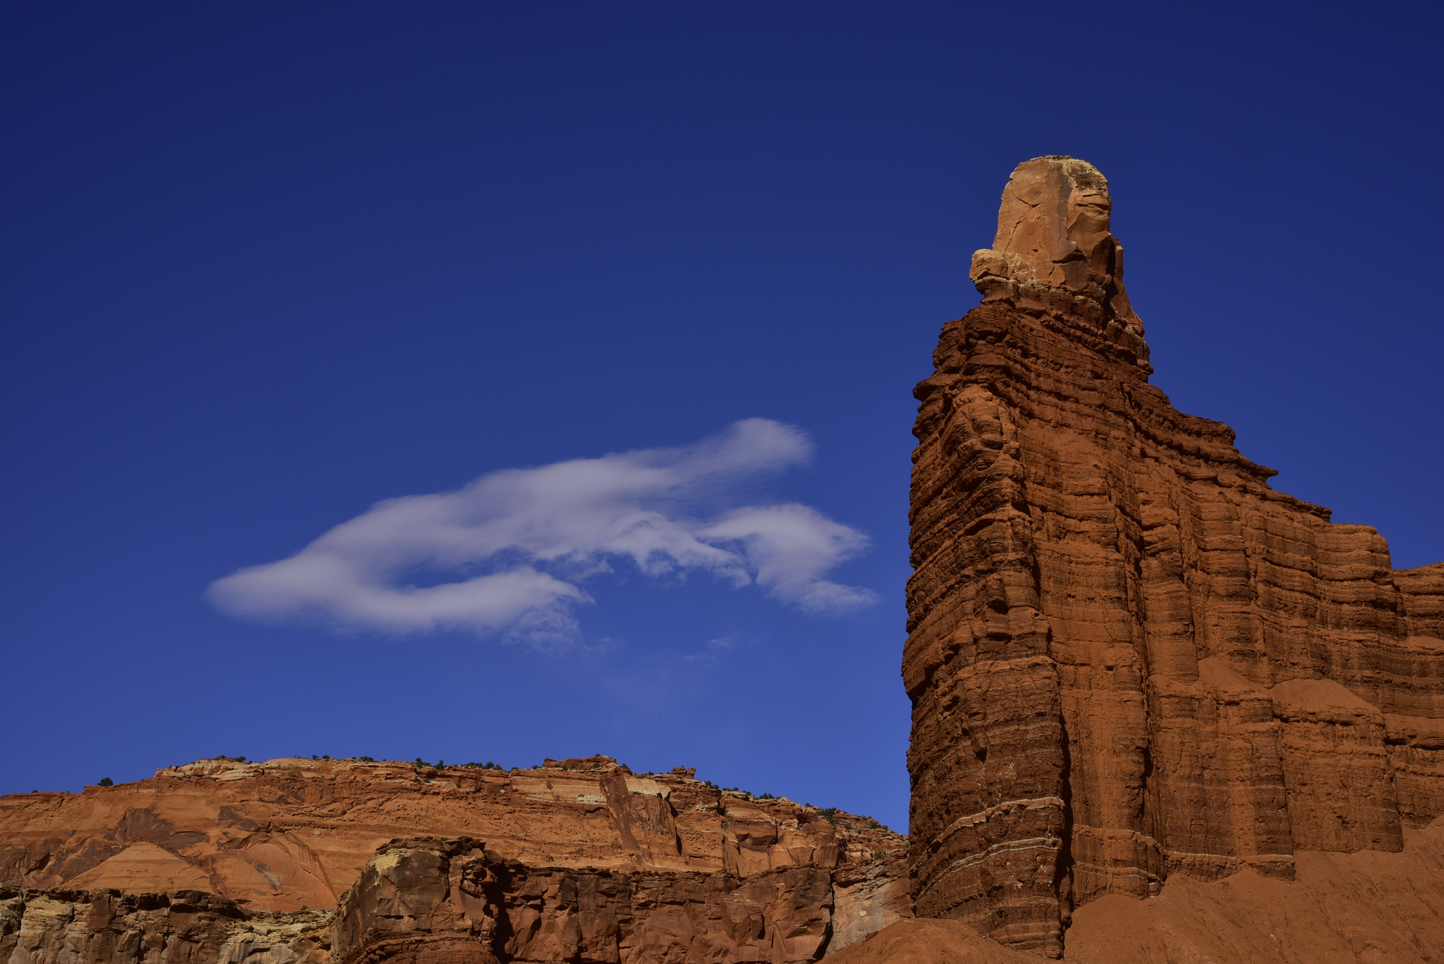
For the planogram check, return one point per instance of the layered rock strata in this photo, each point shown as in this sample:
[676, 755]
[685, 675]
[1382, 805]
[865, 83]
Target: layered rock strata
[1128, 656]
[455, 902]
[286, 835]
[430, 901]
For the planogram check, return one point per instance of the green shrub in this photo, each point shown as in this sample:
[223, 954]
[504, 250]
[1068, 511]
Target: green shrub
[107, 782]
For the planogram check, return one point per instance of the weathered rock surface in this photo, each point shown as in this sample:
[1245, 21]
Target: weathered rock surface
[1129, 657]
[429, 901]
[455, 902]
[105, 926]
[459, 902]
[585, 856]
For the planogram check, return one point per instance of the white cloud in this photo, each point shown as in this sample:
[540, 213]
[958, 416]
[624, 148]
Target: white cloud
[519, 542]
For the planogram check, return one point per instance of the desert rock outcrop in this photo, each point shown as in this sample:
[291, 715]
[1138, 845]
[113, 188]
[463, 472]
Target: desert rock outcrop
[456, 902]
[1129, 657]
[432, 901]
[583, 858]
[109, 927]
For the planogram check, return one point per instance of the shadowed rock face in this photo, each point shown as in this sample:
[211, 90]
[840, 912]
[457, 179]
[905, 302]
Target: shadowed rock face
[189, 927]
[420, 901]
[1128, 656]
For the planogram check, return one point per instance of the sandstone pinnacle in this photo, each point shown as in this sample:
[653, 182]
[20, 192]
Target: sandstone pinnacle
[1129, 658]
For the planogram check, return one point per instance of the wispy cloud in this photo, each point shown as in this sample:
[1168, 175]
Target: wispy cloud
[518, 544]
[715, 648]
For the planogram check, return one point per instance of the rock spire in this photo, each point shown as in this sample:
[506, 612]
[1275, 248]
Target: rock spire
[1128, 656]
[1053, 232]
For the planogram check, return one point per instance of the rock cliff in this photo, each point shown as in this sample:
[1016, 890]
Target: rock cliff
[1129, 658]
[584, 860]
[455, 902]
[432, 901]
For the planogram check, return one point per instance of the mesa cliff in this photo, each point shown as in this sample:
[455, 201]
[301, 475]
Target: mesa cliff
[432, 901]
[1129, 658]
[582, 860]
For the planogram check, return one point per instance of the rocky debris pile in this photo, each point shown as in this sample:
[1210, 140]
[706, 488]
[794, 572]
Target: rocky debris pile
[1130, 658]
[1341, 908]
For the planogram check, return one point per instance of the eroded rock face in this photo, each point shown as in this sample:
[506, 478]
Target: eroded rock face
[470, 904]
[586, 859]
[430, 901]
[108, 927]
[294, 833]
[1128, 656]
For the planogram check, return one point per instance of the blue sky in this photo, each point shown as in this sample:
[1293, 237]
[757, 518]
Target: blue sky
[266, 266]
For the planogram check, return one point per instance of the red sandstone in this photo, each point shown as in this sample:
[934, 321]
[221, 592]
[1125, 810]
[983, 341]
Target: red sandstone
[1129, 658]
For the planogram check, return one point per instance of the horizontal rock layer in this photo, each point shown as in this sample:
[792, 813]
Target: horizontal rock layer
[286, 835]
[455, 902]
[1128, 656]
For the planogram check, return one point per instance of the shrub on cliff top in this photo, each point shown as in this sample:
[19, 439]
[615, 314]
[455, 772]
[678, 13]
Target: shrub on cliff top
[107, 782]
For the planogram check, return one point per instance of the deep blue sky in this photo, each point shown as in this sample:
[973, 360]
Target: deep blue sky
[265, 265]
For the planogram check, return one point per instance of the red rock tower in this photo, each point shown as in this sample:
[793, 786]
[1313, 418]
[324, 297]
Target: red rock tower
[1129, 657]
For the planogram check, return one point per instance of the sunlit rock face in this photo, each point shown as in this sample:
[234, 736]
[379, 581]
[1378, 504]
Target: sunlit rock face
[342, 862]
[454, 901]
[1128, 656]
